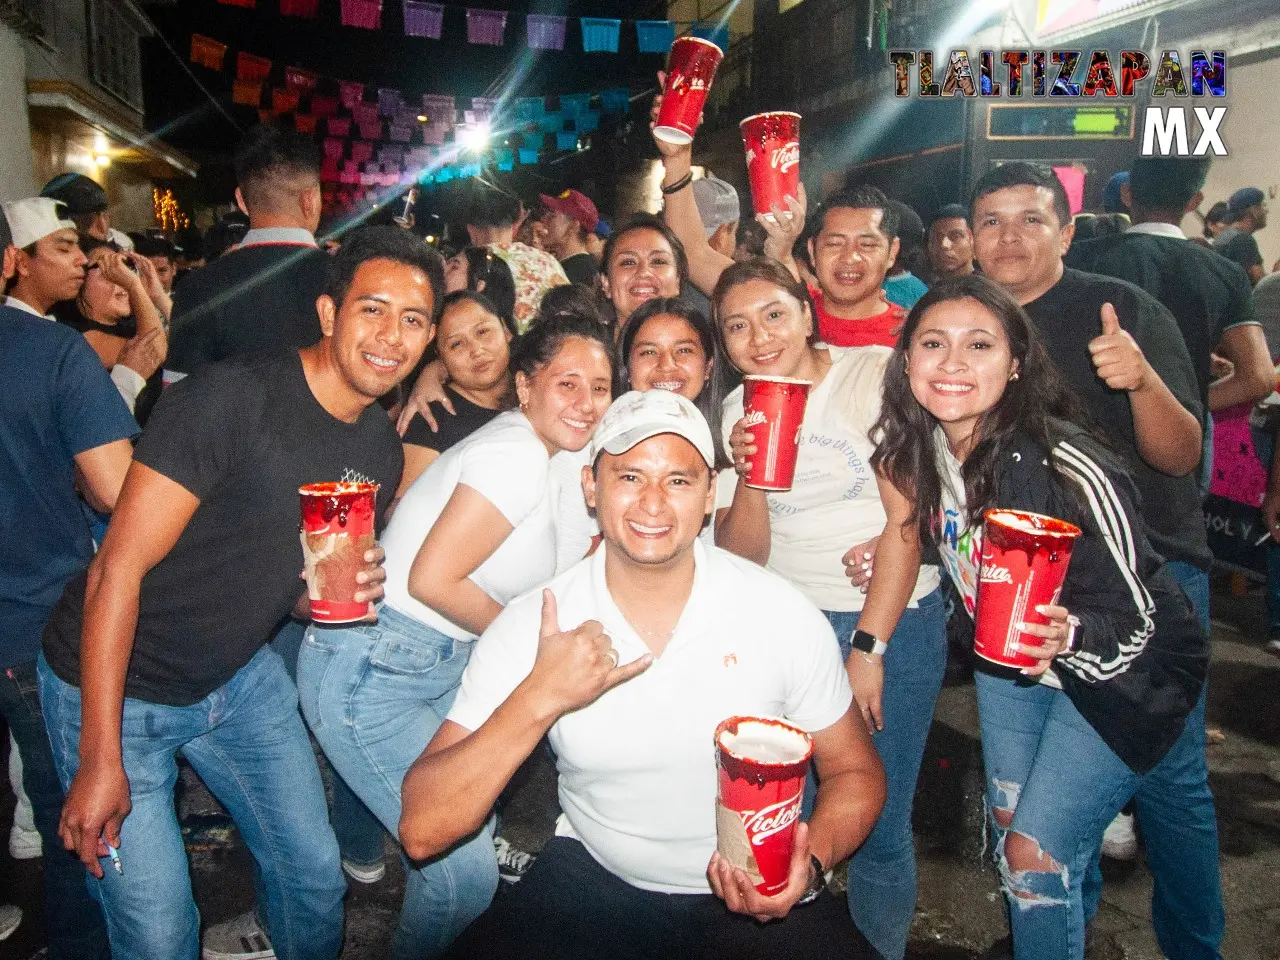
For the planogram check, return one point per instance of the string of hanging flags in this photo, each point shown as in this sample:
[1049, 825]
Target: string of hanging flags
[491, 27]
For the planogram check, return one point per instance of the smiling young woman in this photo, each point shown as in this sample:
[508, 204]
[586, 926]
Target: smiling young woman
[815, 535]
[975, 416]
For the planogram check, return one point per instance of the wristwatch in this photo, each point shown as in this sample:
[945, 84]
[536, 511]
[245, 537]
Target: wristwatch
[816, 882]
[867, 643]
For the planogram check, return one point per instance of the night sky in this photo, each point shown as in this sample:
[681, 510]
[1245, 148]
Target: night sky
[178, 110]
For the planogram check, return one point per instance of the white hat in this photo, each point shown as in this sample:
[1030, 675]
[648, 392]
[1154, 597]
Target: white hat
[717, 203]
[639, 415]
[35, 218]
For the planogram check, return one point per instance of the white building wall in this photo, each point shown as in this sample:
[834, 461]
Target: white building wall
[17, 179]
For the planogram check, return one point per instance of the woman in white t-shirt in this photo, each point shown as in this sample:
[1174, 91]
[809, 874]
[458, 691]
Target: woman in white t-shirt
[765, 321]
[473, 532]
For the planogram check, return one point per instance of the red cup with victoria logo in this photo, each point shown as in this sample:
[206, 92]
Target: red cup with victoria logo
[772, 142]
[1024, 564]
[337, 531]
[762, 765]
[691, 66]
[773, 408]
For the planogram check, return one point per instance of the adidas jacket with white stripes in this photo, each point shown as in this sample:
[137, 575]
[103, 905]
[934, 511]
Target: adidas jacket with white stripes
[1140, 656]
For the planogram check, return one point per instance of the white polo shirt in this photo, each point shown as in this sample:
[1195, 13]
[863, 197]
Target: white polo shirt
[637, 767]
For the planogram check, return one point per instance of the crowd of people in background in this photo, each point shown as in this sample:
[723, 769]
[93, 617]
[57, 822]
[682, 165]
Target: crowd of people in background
[552, 406]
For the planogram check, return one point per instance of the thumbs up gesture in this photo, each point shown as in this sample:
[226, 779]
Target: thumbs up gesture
[574, 667]
[1117, 358]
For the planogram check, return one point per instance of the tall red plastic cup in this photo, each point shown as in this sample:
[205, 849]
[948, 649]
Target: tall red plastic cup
[691, 66]
[772, 142]
[774, 410]
[1024, 564]
[762, 765]
[337, 531]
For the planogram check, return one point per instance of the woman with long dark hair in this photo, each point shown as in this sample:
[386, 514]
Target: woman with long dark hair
[976, 417]
[480, 270]
[474, 531]
[892, 637]
[643, 261]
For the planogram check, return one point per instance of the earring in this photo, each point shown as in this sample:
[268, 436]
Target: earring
[1014, 375]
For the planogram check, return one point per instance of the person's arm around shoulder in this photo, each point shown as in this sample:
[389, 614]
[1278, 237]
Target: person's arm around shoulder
[851, 792]
[450, 790]
[1167, 434]
[151, 514]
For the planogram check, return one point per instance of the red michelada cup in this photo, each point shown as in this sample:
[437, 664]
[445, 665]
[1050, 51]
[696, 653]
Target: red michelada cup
[762, 765]
[772, 142]
[1024, 564]
[691, 67]
[337, 531]
[774, 411]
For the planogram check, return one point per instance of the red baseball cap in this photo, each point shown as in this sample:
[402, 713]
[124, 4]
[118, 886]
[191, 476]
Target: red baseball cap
[576, 206]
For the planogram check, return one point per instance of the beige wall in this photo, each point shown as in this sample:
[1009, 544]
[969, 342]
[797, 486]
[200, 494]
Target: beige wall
[740, 22]
[1249, 132]
[17, 179]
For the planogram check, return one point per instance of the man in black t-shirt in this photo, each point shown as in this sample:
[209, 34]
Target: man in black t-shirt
[569, 218]
[1247, 214]
[1121, 351]
[260, 297]
[160, 646]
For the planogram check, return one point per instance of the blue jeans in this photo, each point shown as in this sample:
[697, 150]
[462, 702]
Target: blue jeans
[75, 927]
[374, 695]
[1180, 828]
[358, 831]
[882, 874]
[247, 742]
[1049, 770]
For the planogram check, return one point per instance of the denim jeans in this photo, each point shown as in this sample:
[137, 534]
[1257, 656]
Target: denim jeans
[1180, 828]
[358, 831]
[1063, 785]
[374, 695]
[73, 919]
[247, 743]
[882, 874]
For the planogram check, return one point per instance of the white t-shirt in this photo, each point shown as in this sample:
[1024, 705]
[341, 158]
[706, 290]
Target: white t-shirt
[834, 503]
[637, 767]
[506, 463]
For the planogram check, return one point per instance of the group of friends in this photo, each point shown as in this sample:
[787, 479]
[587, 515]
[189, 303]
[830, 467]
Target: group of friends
[568, 553]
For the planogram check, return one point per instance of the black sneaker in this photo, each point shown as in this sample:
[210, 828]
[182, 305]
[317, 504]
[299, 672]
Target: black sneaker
[513, 863]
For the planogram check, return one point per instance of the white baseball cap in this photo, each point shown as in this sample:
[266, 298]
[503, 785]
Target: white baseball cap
[35, 218]
[640, 414]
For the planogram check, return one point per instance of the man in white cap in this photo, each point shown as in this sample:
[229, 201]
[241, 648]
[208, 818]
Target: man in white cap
[50, 267]
[719, 210]
[62, 426]
[671, 638]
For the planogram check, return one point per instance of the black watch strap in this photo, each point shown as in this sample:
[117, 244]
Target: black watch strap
[816, 883]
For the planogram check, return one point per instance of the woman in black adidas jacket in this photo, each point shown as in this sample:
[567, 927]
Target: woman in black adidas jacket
[975, 416]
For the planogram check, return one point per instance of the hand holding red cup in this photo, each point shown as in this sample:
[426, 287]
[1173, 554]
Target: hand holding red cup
[691, 67]
[773, 411]
[337, 533]
[772, 143]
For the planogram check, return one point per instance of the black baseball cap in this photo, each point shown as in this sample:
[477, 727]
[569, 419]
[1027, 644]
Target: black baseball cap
[80, 194]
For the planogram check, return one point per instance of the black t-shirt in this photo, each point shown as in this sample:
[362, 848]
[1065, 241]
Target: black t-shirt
[241, 436]
[468, 418]
[1205, 292]
[257, 299]
[1068, 317]
[581, 268]
[1240, 246]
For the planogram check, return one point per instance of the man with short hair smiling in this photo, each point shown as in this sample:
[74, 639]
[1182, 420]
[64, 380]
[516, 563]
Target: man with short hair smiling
[161, 646]
[1123, 355]
[949, 243]
[671, 638]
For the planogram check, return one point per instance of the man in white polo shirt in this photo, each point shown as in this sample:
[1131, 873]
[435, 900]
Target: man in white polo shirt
[671, 638]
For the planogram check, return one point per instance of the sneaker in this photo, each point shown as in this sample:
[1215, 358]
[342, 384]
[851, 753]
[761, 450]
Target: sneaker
[364, 872]
[1119, 842]
[10, 917]
[239, 939]
[513, 863]
[25, 844]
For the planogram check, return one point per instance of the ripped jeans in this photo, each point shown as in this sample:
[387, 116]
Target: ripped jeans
[1052, 788]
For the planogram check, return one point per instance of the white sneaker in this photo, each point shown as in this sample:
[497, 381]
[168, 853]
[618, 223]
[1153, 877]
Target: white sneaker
[10, 917]
[513, 862]
[1119, 842]
[25, 844]
[239, 939]
[364, 873]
